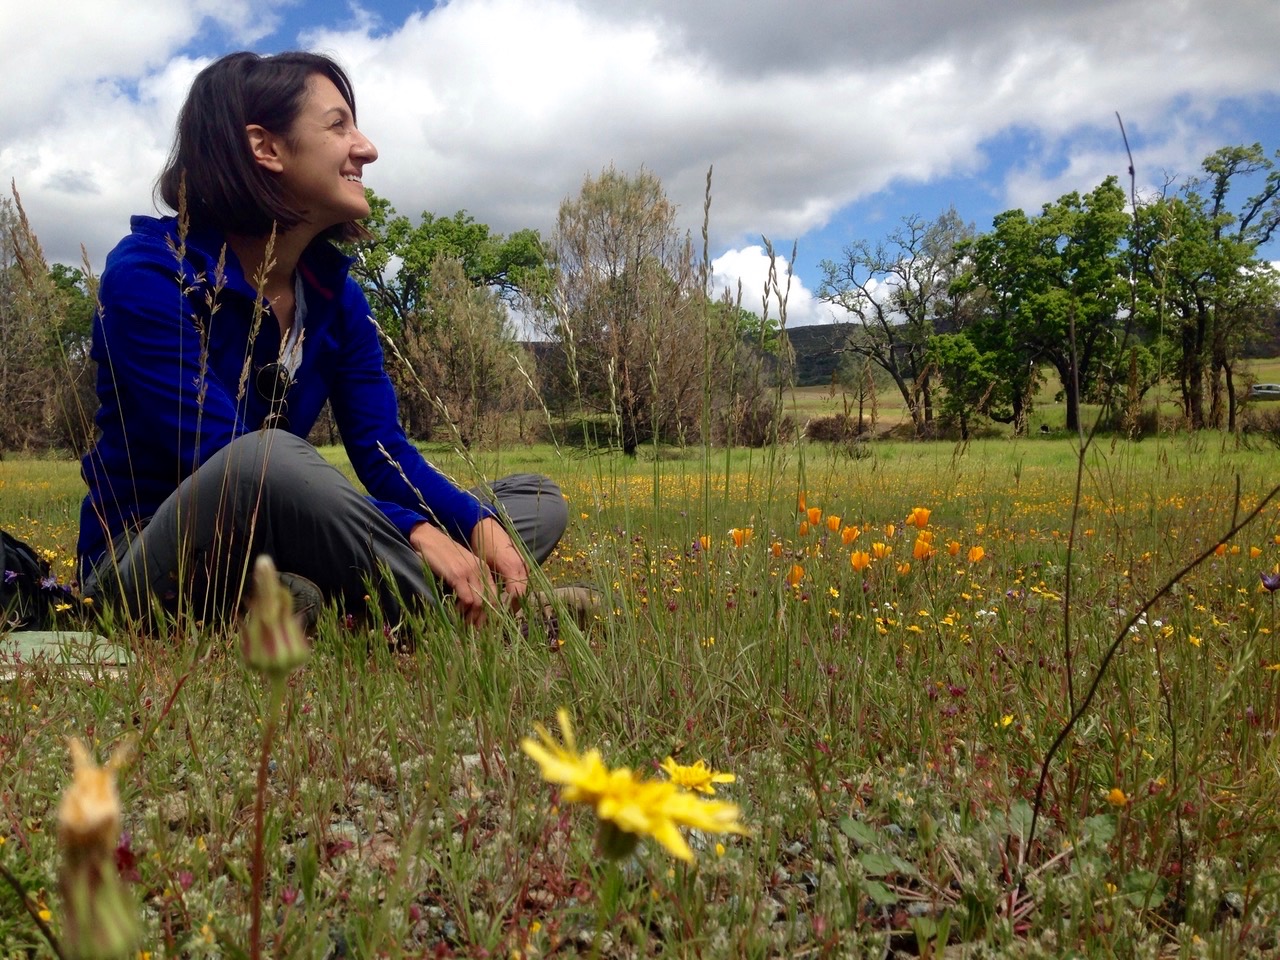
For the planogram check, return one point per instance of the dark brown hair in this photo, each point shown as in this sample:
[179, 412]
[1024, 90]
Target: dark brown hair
[225, 187]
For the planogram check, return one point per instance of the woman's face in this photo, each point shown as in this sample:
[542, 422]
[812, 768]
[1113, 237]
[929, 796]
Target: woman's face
[323, 159]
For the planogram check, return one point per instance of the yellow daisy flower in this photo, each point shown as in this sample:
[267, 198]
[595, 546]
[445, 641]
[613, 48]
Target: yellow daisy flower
[627, 807]
[697, 777]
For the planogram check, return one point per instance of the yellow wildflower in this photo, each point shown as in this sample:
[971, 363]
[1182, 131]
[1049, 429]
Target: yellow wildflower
[919, 517]
[627, 807]
[698, 777]
[1117, 798]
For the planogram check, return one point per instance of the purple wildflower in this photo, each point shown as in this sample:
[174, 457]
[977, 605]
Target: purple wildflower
[1270, 580]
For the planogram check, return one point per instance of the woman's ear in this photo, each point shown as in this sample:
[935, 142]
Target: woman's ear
[266, 147]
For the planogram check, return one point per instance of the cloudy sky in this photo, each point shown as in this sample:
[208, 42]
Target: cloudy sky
[826, 120]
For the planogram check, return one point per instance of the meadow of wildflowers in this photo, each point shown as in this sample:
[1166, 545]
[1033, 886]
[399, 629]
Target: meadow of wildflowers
[810, 720]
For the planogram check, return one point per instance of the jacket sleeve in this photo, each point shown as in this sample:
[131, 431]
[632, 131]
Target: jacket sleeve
[151, 340]
[402, 483]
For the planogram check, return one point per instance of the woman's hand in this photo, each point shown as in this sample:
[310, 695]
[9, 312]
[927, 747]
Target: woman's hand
[470, 573]
[493, 545]
[461, 570]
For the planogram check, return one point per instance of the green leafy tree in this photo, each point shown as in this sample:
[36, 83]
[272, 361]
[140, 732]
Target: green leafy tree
[972, 383]
[77, 295]
[399, 263]
[1197, 251]
[395, 265]
[1053, 289]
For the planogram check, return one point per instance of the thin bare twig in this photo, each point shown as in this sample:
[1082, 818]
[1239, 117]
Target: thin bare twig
[1115, 647]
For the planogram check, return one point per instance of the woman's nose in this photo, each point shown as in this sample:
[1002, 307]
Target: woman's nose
[364, 148]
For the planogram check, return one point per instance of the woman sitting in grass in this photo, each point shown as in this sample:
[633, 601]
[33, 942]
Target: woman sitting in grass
[221, 334]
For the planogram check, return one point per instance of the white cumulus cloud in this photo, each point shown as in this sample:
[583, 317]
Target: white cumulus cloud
[502, 107]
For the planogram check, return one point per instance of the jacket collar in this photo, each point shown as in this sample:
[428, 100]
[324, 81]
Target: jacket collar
[323, 266]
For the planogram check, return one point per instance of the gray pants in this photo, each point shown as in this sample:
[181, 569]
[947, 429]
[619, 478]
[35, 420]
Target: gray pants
[272, 492]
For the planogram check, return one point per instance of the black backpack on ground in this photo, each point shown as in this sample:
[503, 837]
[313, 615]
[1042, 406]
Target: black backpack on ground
[27, 589]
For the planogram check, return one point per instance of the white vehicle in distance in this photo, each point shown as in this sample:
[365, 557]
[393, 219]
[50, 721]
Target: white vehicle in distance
[1265, 391]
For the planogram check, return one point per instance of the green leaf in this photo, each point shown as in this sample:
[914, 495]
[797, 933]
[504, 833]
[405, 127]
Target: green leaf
[883, 864]
[1144, 889]
[859, 832]
[1020, 819]
[1099, 829]
[925, 929]
[880, 893]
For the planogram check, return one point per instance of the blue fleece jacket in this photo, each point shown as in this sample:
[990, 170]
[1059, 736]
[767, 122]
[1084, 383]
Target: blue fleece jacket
[177, 353]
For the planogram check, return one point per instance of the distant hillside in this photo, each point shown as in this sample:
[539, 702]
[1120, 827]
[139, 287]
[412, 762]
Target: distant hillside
[817, 351]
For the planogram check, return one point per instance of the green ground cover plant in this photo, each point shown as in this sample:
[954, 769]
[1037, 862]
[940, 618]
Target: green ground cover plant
[878, 648]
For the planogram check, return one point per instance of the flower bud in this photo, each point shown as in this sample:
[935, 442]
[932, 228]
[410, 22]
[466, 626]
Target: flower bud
[614, 842]
[101, 918]
[272, 637]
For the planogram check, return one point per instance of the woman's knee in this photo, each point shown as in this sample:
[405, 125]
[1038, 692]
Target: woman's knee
[536, 508]
[267, 462]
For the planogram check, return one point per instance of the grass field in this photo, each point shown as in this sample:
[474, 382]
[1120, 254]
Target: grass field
[885, 694]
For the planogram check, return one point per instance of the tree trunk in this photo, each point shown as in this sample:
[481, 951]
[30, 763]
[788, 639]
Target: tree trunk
[1069, 391]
